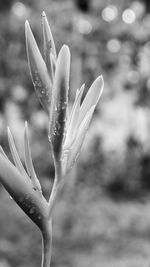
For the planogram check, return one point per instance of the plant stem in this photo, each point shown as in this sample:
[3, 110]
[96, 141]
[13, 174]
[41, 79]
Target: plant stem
[57, 186]
[47, 245]
[47, 231]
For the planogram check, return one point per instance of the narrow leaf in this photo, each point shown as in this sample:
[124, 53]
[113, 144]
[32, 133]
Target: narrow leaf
[28, 160]
[73, 119]
[53, 65]
[77, 92]
[38, 70]
[59, 100]
[76, 105]
[76, 147]
[92, 97]
[15, 155]
[3, 153]
[49, 44]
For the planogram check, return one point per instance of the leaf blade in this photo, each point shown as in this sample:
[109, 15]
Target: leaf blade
[49, 44]
[76, 147]
[59, 100]
[38, 70]
[73, 119]
[22, 192]
[15, 155]
[28, 160]
[92, 97]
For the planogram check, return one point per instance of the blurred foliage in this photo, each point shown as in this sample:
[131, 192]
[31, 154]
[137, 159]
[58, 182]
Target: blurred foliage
[103, 207]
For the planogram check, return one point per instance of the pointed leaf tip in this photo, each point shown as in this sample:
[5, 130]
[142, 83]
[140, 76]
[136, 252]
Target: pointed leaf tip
[99, 81]
[28, 30]
[49, 44]
[26, 23]
[63, 63]
[43, 14]
[65, 49]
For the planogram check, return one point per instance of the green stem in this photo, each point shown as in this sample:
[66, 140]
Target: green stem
[47, 246]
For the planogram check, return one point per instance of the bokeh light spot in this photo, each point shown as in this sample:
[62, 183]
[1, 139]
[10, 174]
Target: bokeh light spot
[19, 10]
[19, 93]
[110, 13]
[128, 16]
[133, 76]
[113, 45]
[139, 8]
[83, 25]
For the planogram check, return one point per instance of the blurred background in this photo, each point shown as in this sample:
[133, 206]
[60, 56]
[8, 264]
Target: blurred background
[103, 215]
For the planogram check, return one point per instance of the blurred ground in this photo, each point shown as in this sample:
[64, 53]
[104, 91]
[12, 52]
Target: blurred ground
[89, 230]
[103, 215]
